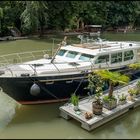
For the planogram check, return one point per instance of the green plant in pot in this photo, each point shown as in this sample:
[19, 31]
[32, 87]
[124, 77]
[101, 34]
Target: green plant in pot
[138, 89]
[75, 101]
[135, 66]
[122, 99]
[95, 84]
[109, 101]
[132, 93]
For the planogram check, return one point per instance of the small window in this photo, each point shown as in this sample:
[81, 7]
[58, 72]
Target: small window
[128, 55]
[102, 59]
[86, 57]
[71, 54]
[37, 65]
[116, 57]
[61, 52]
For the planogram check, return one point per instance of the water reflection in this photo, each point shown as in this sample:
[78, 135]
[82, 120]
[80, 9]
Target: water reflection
[43, 121]
[7, 109]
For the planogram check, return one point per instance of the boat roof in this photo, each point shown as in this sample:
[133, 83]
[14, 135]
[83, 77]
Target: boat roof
[104, 47]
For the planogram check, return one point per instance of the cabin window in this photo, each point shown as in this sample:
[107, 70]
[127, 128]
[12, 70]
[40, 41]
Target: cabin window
[102, 59]
[61, 52]
[71, 54]
[128, 55]
[86, 57]
[116, 57]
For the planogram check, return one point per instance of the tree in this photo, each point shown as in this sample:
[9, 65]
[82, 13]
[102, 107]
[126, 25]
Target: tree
[34, 16]
[134, 66]
[1, 17]
[114, 78]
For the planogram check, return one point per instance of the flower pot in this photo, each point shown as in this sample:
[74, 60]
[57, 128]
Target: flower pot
[110, 104]
[130, 98]
[76, 108]
[122, 102]
[97, 108]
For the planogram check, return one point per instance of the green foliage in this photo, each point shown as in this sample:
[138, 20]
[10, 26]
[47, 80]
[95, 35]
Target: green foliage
[135, 90]
[107, 98]
[132, 91]
[113, 78]
[74, 99]
[122, 97]
[138, 84]
[96, 84]
[134, 66]
[34, 16]
[29, 16]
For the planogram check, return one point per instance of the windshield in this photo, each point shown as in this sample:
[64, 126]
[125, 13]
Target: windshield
[86, 57]
[61, 52]
[71, 54]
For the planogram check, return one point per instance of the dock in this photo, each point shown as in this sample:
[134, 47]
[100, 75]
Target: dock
[85, 105]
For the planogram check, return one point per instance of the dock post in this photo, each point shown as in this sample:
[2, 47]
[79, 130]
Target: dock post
[64, 115]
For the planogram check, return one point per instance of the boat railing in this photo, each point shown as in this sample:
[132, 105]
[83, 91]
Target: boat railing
[50, 68]
[15, 58]
[53, 68]
[57, 67]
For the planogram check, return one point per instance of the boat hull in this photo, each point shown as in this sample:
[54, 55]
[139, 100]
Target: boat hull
[51, 88]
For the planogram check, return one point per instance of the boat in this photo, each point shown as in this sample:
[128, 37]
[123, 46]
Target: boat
[54, 79]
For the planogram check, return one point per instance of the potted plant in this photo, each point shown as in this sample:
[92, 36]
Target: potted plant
[75, 101]
[122, 99]
[110, 101]
[138, 89]
[96, 85]
[97, 104]
[133, 92]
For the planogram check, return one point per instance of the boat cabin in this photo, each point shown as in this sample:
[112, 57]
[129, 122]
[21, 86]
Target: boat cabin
[111, 54]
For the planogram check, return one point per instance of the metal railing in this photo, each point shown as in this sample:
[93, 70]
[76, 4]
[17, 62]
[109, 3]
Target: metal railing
[52, 68]
[16, 58]
[57, 67]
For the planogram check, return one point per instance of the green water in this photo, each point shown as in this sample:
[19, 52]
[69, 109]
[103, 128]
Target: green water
[43, 121]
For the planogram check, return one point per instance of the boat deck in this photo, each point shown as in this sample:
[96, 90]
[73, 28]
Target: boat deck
[85, 105]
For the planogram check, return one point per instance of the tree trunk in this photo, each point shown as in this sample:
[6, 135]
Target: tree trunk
[78, 22]
[111, 87]
[82, 25]
[41, 31]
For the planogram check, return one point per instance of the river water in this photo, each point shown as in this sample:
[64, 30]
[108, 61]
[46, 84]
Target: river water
[43, 121]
